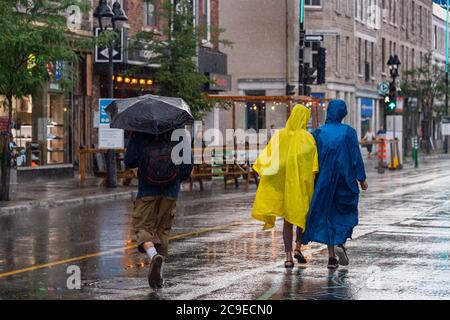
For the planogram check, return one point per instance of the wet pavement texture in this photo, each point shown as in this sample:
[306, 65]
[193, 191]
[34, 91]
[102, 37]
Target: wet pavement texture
[400, 250]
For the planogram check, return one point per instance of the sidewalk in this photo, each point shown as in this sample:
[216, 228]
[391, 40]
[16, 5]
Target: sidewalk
[61, 193]
[70, 192]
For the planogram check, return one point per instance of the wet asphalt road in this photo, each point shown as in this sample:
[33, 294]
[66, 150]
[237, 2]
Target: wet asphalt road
[400, 249]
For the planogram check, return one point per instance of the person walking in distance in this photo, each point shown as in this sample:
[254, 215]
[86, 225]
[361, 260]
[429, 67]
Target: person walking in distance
[334, 208]
[369, 137]
[158, 187]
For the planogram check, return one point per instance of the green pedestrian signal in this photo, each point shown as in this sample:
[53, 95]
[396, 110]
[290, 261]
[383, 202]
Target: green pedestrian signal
[392, 105]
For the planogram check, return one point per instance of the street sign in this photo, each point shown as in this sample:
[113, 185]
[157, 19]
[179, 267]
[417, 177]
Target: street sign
[108, 138]
[314, 38]
[383, 87]
[400, 103]
[445, 126]
[102, 54]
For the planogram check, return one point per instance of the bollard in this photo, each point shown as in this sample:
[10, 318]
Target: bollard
[415, 151]
[381, 155]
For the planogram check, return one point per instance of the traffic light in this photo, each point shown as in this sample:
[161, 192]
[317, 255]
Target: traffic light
[321, 65]
[391, 99]
[310, 74]
[290, 90]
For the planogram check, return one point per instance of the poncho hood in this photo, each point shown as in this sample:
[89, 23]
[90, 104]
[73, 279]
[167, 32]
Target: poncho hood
[299, 118]
[336, 111]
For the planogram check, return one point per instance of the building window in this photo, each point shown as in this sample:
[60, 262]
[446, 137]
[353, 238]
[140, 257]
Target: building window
[347, 61]
[359, 56]
[435, 38]
[394, 12]
[372, 59]
[402, 12]
[315, 3]
[407, 58]
[383, 55]
[361, 9]
[150, 13]
[413, 59]
[420, 21]
[412, 16]
[338, 48]
[206, 20]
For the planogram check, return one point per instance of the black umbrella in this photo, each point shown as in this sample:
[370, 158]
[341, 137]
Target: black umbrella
[149, 114]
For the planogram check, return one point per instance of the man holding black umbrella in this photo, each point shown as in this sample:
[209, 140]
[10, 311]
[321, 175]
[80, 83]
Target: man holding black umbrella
[154, 208]
[153, 120]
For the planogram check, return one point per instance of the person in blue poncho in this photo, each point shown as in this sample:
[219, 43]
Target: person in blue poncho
[334, 208]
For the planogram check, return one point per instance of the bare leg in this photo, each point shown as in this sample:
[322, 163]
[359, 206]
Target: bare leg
[298, 242]
[287, 239]
[148, 245]
[331, 251]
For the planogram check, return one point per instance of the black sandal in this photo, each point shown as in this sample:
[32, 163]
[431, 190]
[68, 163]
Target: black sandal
[299, 256]
[289, 264]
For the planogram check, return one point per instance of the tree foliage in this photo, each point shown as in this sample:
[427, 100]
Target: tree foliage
[427, 84]
[175, 52]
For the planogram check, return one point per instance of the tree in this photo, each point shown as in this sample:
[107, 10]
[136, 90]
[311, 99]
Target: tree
[427, 84]
[175, 53]
[33, 35]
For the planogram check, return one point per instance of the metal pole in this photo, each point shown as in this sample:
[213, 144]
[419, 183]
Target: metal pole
[111, 167]
[301, 65]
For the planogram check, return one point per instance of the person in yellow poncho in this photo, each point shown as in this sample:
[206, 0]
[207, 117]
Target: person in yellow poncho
[287, 167]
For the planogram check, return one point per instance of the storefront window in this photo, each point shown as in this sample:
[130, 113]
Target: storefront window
[41, 128]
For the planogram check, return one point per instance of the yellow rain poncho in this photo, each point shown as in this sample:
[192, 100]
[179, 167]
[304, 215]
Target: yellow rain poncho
[287, 167]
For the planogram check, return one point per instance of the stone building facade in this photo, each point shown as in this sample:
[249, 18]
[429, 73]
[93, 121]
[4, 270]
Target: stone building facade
[359, 36]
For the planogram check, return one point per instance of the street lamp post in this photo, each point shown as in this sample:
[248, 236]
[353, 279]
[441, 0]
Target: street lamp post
[108, 18]
[393, 64]
[301, 60]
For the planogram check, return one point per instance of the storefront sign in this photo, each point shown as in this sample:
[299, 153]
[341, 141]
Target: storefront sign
[108, 138]
[219, 82]
[366, 107]
[3, 125]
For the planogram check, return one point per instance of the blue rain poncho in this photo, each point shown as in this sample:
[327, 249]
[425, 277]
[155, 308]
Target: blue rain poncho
[334, 209]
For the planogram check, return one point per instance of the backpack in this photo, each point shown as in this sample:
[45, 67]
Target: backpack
[156, 167]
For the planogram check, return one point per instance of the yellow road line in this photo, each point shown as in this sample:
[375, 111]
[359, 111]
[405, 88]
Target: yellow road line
[97, 254]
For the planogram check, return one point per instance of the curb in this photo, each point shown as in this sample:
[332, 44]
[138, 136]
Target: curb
[54, 203]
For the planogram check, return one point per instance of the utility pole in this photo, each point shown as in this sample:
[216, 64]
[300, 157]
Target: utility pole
[301, 60]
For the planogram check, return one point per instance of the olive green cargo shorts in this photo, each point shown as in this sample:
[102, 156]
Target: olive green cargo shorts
[152, 221]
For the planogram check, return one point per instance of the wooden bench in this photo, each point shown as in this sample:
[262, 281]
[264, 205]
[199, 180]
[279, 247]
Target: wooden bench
[228, 167]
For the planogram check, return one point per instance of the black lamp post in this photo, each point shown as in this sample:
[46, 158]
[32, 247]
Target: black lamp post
[110, 18]
[393, 64]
